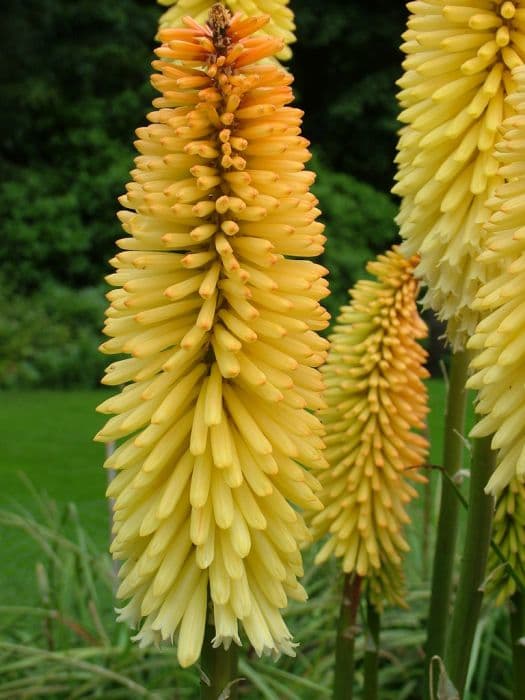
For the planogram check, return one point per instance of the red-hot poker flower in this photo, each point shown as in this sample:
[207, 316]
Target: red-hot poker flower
[459, 58]
[219, 315]
[376, 398]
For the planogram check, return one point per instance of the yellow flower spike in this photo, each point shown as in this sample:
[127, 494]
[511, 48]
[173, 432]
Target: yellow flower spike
[375, 398]
[280, 25]
[499, 366]
[508, 533]
[459, 58]
[220, 325]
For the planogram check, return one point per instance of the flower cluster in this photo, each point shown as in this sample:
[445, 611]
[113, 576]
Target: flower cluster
[375, 398]
[457, 74]
[219, 314]
[500, 361]
[280, 25]
[508, 533]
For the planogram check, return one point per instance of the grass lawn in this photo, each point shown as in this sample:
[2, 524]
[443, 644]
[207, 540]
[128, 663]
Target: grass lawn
[48, 437]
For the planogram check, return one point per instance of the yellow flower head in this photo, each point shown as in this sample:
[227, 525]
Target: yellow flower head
[457, 73]
[375, 398]
[500, 364]
[221, 327]
[508, 532]
[281, 20]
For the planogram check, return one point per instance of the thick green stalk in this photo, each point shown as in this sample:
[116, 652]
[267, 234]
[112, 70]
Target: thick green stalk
[219, 668]
[447, 527]
[467, 605]
[517, 628]
[345, 643]
[371, 662]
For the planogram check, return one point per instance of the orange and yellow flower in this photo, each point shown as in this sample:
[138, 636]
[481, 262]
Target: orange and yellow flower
[218, 311]
[459, 58]
[280, 25]
[376, 398]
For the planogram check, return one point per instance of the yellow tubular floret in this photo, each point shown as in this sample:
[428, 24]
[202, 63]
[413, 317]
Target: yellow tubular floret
[459, 58]
[220, 324]
[499, 341]
[376, 398]
[280, 25]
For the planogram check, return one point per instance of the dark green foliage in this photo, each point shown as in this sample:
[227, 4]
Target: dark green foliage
[74, 79]
[50, 337]
[74, 87]
[360, 224]
[346, 62]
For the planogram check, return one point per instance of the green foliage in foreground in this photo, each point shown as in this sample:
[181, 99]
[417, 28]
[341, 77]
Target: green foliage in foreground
[58, 637]
[69, 646]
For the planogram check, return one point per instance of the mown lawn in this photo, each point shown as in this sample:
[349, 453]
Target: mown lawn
[47, 436]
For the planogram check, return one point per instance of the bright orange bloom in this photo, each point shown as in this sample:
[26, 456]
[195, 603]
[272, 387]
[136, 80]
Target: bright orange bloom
[280, 25]
[219, 315]
[376, 398]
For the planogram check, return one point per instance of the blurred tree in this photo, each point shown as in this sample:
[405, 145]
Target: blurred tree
[345, 63]
[360, 224]
[74, 79]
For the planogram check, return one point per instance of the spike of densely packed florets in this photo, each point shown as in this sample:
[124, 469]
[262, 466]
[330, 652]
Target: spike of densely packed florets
[219, 316]
[459, 57]
[508, 533]
[500, 340]
[375, 398]
[280, 25]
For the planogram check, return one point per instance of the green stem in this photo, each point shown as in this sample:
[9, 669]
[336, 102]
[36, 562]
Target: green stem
[371, 661]
[447, 527]
[517, 628]
[346, 634]
[219, 668]
[467, 605]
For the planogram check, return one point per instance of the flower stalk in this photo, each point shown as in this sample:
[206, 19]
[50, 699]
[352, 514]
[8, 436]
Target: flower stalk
[345, 641]
[371, 661]
[467, 604]
[517, 628]
[218, 667]
[447, 526]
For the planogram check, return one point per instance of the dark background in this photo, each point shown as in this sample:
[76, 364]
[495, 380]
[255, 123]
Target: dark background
[74, 86]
